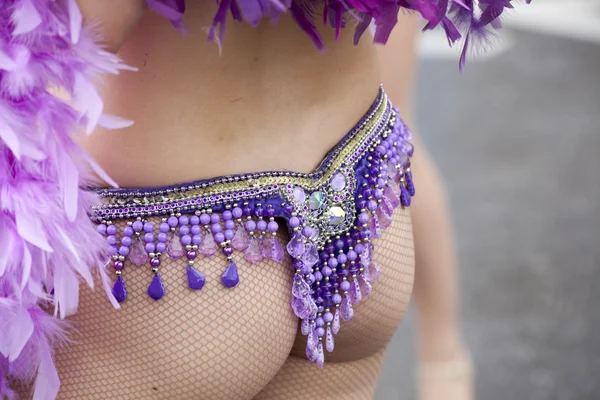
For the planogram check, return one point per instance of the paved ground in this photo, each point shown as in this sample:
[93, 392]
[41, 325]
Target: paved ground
[518, 140]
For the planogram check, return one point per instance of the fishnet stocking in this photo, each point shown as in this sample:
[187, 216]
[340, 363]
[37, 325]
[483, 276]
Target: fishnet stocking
[231, 344]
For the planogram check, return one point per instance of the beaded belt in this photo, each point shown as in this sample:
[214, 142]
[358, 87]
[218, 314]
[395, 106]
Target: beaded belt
[332, 214]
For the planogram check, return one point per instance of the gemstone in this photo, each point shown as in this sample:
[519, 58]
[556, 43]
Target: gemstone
[355, 293]
[372, 272]
[374, 226]
[299, 195]
[156, 290]
[335, 324]
[252, 253]
[138, 255]
[346, 310]
[329, 343]
[365, 286]
[392, 196]
[241, 240]
[310, 340]
[316, 200]
[195, 278]
[300, 308]
[119, 290]
[266, 246]
[296, 245]
[338, 182]
[230, 277]
[311, 352]
[320, 356]
[277, 254]
[300, 287]
[305, 326]
[367, 255]
[385, 219]
[208, 247]
[175, 248]
[336, 215]
[310, 256]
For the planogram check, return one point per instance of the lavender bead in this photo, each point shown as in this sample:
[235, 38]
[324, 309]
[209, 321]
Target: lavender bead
[186, 239]
[164, 227]
[101, 229]
[318, 276]
[184, 220]
[150, 248]
[229, 224]
[294, 222]
[148, 227]
[205, 219]
[250, 225]
[236, 212]
[195, 220]
[123, 250]
[319, 321]
[112, 240]
[378, 194]
[197, 239]
[352, 255]
[162, 237]
[184, 229]
[161, 247]
[326, 271]
[215, 218]
[332, 262]
[215, 228]
[149, 237]
[328, 317]
[306, 269]
[273, 226]
[307, 231]
[320, 331]
[363, 218]
[138, 226]
[227, 215]
[337, 298]
[359, 248]
[229, 234]
[372, 205]
[262, 225]
[196, 229]
[128, 231]
[345, 286]
[111, 230]
[126, 241]
[342, 258]
[311, 279]
[172, 221]
[339, 244]
[219, 237]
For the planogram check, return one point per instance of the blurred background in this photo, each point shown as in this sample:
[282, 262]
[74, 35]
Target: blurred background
[517, 138]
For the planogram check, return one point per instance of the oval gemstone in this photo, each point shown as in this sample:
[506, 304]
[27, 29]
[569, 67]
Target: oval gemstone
[338, 182]
[299, 195]
[316, 200]
[336, 215]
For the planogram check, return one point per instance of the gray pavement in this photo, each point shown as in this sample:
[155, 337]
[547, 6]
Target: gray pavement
[518, 141]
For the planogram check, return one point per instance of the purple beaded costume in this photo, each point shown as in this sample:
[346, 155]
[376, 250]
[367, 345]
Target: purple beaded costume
[48, 242]
[331, 215]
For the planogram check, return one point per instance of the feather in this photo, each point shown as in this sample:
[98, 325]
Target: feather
[25, 17]
[31, 230]
[114, 122]
[75, 21]
[21, 331]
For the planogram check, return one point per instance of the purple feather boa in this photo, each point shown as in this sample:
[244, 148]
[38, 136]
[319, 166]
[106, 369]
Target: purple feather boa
[47, 242]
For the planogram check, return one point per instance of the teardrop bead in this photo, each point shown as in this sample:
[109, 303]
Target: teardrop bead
[175, 248]
[156, 290]
[365, 286]
[372, 272]
[367, 255]
[310, 341]
[355, 293]
[137, 254]
[385, 219]
[335, 324]
[346, 310]
[119, 290]
[208, 247]
[196, 279]
[329, 342]
[392, 196]
[296, 245]
[320, 356]
[252, 253]
[374, 226]
[230, 277]
[241, 239]
[277, 254]
[305, 326]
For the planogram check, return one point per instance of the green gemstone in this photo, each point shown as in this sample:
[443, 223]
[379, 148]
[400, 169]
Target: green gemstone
[316, 200]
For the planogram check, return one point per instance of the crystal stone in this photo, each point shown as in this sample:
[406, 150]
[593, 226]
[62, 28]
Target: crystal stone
[175, 248]
[119, 290]
[196, 278]
[299, 195]
[336, 215]
[230, 277]
[316, 200]
[156, 290]
[138, 255]
[338, 182]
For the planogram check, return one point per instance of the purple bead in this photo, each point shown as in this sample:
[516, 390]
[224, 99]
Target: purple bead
[205, 219]
[229, 224]
[126, 241]
[342, 258]
[236, 212]
[230, 277]
[156, 290]
[162, 237]
[101, 229]
[164, 227]
[246, 211]
[352, 256]
[215, 228]
[196, 279]
[363, 218]
[196, 229]
[184, 220]
[273, 226]
[345, 286]
[161, 247]
[219, 237]
[378, 194]
[328, 317]
[307, 231]
[311, 279]
[294, 222]
[190, 254]
[372, 205]
[359, 248]
[326, 271]
[339, 244]
[348, 241]
[380, 183]
[319, 321]
[149, 237]
[118, 265]
[184, 229]
[289, 208]
[320, 331]
[155, 262]
[306, 269]
[332, 262]
[123, 250]
[111, 230]
[150, 247]
[128, 231]
[262, 225]
[270, 212]
[186, 239]
[259, 211]
[365, 234]
[361, 203]
[197, 239]
[367, 193]
[148, 227]
[112, 240]
[324, 256]
[337, 298]
[172, 221]
[380, 149]
[227, 250]
[372, 180]
[318, 276]
[229, 234]
[119, 291]
[138, 226]
[195, 220]
[227, 215]
[250, 225]
[215, 218]
[329, 248]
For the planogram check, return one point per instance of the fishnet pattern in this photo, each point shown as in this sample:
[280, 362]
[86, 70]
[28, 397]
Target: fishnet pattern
[216, 343]
[230, 344]
[351, 371]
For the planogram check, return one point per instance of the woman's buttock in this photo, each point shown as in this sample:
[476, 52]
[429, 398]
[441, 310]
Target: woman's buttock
[221, 281]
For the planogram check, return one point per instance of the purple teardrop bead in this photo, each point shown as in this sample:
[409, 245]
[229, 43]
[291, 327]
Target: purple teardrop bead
[119, 290]
[241, 239]
[346, 310]
[156, 290]
[230, 277]
[137, 254]
[196, 279]
[175, 248]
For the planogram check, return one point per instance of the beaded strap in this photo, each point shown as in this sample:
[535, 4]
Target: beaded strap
[332, 215]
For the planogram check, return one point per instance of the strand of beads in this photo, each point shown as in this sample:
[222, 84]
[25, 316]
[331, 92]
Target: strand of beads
[156, 289]
[253, 253]
[190, 238]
